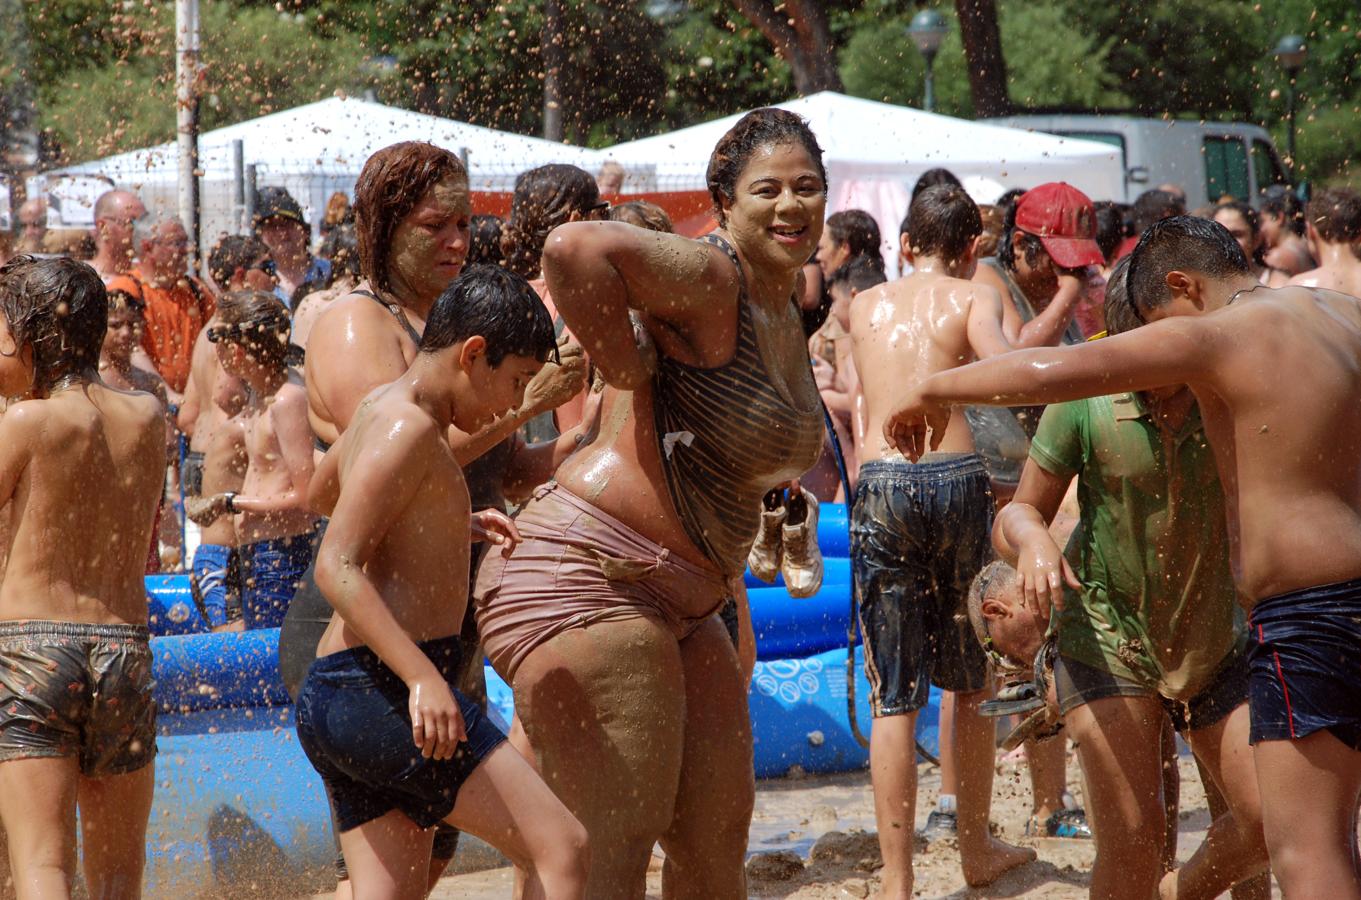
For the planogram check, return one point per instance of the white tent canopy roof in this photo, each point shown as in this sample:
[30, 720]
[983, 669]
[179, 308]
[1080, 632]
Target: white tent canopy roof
[868, 141]
[336, 136]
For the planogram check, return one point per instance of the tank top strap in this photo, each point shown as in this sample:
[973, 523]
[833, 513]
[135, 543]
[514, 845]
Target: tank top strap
[396, 312]
[726, 246]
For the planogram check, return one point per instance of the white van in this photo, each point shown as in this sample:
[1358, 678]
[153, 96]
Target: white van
[1208, 159]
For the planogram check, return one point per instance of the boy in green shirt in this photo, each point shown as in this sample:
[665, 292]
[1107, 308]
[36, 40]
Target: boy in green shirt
[1155, 625]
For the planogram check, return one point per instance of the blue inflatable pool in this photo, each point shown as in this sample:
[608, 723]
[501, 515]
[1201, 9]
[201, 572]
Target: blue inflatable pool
[237, 801]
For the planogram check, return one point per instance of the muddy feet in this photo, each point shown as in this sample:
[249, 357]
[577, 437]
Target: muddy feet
[992, 861]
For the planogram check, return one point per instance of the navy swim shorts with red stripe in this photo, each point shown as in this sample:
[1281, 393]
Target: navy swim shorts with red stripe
[1306, 664]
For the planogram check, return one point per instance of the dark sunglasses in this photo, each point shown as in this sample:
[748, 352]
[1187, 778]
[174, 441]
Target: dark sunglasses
[267, 266]
[600, 210]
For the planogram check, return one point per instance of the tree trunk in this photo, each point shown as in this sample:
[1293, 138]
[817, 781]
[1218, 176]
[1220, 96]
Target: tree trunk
[983, 52]
[797, 30]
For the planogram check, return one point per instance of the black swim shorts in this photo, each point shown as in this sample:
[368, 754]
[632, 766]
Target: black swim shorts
[1306, 663]
[76, 689]
[919, 534]
[354, 726]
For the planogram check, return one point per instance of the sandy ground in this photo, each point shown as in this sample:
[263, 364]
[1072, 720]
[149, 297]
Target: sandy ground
[827, 822]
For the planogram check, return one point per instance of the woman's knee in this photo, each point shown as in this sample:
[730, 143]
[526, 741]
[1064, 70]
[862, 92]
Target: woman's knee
[568, 858]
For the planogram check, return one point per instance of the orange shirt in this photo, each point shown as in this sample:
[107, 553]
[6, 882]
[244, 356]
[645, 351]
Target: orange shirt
[174, 317]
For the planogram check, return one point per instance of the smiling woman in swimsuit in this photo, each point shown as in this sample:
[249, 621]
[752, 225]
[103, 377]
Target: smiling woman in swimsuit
[630, 692]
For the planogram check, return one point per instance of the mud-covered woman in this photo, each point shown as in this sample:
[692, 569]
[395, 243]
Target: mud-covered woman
[630, 690]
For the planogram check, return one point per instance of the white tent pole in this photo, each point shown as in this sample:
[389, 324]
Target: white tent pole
[186, 116]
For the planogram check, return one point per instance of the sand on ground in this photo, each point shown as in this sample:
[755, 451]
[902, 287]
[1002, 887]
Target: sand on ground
[827, 822]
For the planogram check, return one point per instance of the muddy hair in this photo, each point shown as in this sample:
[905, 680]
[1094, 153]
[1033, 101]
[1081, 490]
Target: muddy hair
[390, 185]
[995, 577]
[60, 309]
[1335, 214]
[232, 252]
[484, 241]
[1181, 242]
[857, 230]
[945, 220]
[544, 198]
[1118, 309]
[765, 127]
[859, 273]
[642, 214]
[1281, 200]
[501, 306]
[257, 323]
[341, 247]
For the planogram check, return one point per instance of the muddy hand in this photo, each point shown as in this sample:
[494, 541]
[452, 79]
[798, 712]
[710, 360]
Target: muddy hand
[205, 511]
[436, 722]
[1042, 572]
[495, 527]
[558, 382]
[906, 427]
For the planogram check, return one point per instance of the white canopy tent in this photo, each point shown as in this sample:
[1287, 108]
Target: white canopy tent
[874, 153]
[315, 150]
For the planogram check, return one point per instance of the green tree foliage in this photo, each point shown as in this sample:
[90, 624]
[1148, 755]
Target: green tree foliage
[122, 94]
[1049, 61]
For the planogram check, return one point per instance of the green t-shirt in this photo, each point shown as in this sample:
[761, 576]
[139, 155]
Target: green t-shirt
[1158, 604]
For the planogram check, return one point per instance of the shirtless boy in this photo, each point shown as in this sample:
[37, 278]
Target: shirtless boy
[1154, 626]
[274, 526]
[1275, 376]
[82, 468]
[1333, 226]
[913, 562]
[378, 714]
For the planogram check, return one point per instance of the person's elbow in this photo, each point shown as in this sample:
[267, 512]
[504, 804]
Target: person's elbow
[332, 570]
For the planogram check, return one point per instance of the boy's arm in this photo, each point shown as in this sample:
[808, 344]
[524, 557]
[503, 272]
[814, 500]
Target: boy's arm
[288, 416]
[1179, 350]
[1047, 328]
[1021, 536]
[324, 489]
[986, 334]
[378, 489]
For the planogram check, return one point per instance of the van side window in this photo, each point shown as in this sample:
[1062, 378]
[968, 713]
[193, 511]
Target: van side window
[1226, 168]
[1265, 167]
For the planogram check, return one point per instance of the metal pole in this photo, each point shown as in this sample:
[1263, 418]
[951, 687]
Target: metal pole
[554, 56]
[251, 189]
[239, 184]
[929, 103]
[186, 117]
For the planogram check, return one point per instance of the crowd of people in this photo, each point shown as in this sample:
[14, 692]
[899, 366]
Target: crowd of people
[1133, 510]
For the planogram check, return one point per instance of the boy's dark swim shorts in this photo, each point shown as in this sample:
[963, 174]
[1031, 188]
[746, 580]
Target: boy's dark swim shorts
[354, 725]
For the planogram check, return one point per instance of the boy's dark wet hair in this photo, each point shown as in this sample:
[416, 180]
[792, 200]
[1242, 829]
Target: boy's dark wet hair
[544, 198]
[257, 323]
[642, 214]
[945, 220]
[1181, 242]
[1118, 310]
[232, 252]
[341, 247]
[856, 229]
[932, 178]
[390, 185]
[1280, 200]
[484, 241]
[1110, 226]
[765, 127]
[859, 273]
[497, 304]
[1154, 206]
[1335, 214]
[60, 309]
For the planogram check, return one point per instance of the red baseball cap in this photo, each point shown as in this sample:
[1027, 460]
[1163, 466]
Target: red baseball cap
[1064, 220]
